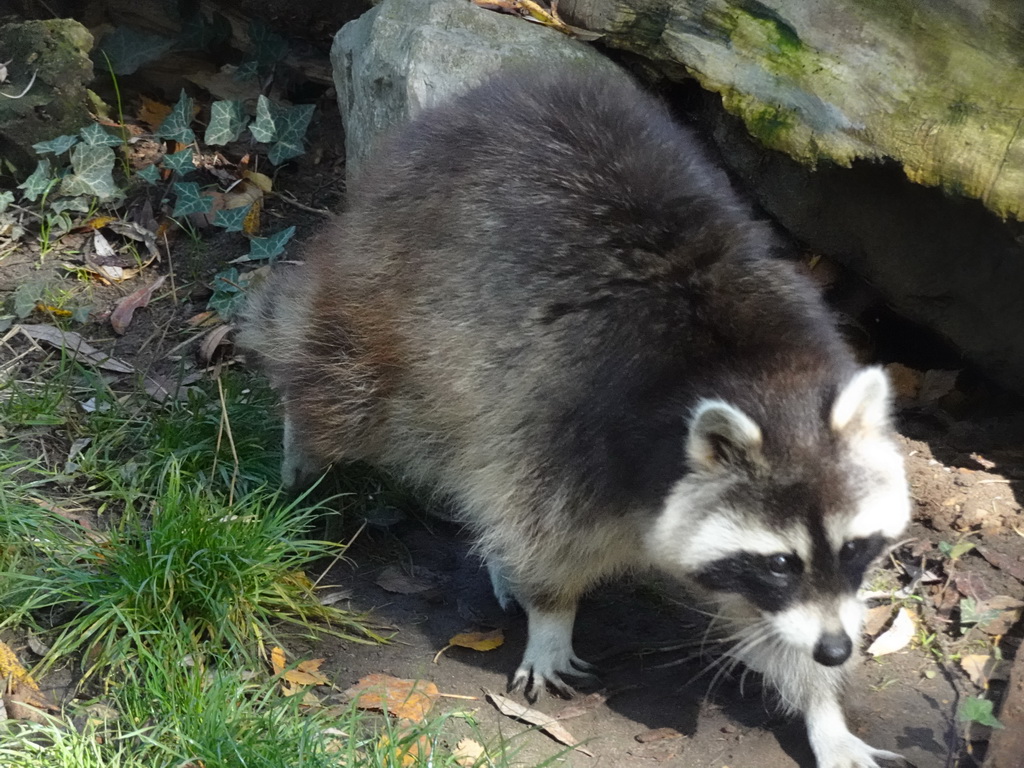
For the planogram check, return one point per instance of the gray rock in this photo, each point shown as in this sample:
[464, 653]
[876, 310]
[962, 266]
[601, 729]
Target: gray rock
[943, 262]
[56, 52]
[405, 55]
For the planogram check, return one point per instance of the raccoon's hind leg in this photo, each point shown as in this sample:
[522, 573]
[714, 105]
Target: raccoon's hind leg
[549, 655]
[503, 590]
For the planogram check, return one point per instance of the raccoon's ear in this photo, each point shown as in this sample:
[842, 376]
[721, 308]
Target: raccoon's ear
[862, 406]
[721, 435]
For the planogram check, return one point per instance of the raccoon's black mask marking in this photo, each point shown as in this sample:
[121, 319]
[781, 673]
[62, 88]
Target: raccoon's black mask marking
[776, 582]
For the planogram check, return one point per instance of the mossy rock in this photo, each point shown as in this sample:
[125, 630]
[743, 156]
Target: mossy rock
[57, 52]
[935, 87]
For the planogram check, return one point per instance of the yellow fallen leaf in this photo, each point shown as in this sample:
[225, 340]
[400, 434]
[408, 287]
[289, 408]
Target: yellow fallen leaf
[99, 222]
[278, 660]
[307, 673]
[406, 699]
[468, 753]
[407, 749]
[477, 641]
[261, 180]
[11, 669]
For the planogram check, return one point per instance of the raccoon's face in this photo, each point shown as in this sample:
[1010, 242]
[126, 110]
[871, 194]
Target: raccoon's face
[780, 541]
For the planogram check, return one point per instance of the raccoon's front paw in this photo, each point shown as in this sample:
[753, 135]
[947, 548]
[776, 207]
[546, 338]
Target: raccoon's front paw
[534, 677]
[549, 656]
[851, 752]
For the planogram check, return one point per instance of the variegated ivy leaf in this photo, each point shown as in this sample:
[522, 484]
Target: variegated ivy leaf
[80, 204]
[284, 127]
[261, 248]
[180, 162]
[176, 125]
[95, 136]
[57, 146]
[190, 199]
[232, 219]
[126, 49]
[91, 173]
[149, 174]
[227, 121]
[266, 47]
[37, 184]
[6, 198]
[227, 296]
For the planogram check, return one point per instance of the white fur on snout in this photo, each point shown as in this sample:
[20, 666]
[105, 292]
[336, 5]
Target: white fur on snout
[799, 626]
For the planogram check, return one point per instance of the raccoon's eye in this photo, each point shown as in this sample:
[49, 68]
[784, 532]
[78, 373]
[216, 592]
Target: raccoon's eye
[785, 565]
[851, 549]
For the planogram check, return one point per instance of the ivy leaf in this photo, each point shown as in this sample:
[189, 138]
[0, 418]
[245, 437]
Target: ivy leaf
[285, 126]
[180, 162]
[91, 175]
[290, 133]
[6, 198]
[227, 296]
[190, 199]
[199, 33]
[37, 184]
[176, 126]
[94, 135]
[266, 46]
[227, 121]
[261, 248]
[231, 219]
[57, 146]
[127, 49]
[975, 710]
[263, 129]
[80, 204]
[149, 174]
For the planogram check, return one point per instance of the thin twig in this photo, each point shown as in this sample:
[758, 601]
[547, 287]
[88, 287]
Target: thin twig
[302, 206]
[226, 425]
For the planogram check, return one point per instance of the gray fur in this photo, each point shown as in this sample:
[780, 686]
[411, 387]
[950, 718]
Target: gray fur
[533, 292]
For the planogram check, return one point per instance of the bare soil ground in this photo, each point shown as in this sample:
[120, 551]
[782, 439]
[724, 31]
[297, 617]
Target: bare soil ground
[966, 465]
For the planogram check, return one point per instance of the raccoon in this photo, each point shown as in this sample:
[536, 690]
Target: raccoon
[545, 303]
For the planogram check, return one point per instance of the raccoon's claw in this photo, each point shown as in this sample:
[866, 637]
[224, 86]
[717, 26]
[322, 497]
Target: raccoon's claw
[534, 683]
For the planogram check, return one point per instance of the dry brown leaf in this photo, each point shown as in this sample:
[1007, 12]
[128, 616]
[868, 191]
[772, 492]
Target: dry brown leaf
[407, 699]
[876, 618]
[394, 579]
[153, 113]
[204, 319]
[546, 723]
[983, 669]
[76, 347]
[897, 637]
[906, 382]
[212, 340]
[468, 753]
[125, 309]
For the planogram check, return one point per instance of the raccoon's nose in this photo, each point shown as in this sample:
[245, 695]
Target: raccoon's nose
[833, 649]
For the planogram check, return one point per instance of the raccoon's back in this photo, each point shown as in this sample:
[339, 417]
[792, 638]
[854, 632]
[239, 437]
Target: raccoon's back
[547, 269]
